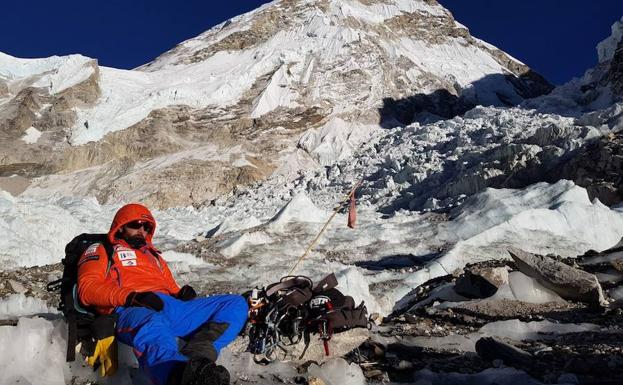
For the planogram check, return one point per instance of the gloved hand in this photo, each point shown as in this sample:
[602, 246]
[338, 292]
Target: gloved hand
[186, 293]
[147, 299]
[105, 356]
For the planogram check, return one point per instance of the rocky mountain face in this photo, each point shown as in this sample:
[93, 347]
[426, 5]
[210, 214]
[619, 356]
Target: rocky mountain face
[610, 52]
[614, 76]
[287, 87]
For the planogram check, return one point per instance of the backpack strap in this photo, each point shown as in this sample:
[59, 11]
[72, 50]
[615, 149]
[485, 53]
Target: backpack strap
[110, 251]
[288, 282]
[297, 290]
[72, 331]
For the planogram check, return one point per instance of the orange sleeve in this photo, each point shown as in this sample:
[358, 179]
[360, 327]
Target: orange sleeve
[94, 287]
[168, 276]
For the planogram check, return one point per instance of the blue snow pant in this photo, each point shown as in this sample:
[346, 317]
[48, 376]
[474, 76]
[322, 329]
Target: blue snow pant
[153, 335]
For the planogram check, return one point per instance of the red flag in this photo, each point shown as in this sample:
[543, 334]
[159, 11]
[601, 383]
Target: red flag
[352, 211]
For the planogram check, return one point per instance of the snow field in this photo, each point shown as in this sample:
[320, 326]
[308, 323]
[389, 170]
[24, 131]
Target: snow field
[36, 354]
[19, 305]
[34, 232]
[542, 218]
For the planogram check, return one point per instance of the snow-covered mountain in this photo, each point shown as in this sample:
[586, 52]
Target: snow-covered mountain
[266, 121]
[289, 86]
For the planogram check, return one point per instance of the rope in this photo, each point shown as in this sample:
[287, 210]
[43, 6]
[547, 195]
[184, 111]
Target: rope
[335, 211]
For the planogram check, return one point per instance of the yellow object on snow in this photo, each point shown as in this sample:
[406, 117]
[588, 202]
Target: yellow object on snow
[105, 355]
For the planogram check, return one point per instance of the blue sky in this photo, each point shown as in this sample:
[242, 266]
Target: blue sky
[556, 38]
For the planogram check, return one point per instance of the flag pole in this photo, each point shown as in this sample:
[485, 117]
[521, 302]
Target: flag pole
[335, 211]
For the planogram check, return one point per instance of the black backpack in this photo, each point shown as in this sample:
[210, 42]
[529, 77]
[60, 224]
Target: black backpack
[83, 323]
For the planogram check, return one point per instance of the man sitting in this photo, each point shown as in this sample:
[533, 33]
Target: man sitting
[152, 309]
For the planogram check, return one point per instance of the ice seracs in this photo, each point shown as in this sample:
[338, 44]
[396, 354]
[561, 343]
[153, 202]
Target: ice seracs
[607, 47]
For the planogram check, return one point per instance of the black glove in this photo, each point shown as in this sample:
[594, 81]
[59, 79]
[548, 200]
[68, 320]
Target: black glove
[146, 299]
[186, 293]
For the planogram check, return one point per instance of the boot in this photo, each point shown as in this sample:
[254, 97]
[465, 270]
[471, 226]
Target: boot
[202, 371]
[200, 344]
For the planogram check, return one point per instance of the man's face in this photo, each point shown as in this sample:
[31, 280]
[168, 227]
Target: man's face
[136, 229]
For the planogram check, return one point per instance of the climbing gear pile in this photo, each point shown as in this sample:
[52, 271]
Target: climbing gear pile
[288, 312]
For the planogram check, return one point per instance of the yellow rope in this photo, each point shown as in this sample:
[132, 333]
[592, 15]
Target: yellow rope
[335, 211]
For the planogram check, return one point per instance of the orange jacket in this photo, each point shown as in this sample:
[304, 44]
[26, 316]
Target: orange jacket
[137, 270]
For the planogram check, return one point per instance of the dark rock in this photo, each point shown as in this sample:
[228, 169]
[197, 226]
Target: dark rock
[617, 264]
[474, 286]
[490, 349]
[614, 76]
[410, 318]
[568, 378]
[570, 283]
[481, 282]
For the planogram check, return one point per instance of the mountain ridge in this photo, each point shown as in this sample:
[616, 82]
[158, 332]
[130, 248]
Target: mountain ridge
[263, 81]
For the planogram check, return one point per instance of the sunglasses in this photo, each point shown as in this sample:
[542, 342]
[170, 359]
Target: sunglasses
[135, 225]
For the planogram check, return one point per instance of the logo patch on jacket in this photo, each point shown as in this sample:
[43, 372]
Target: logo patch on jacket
[129, 262]
[126, 255]
[92, 249]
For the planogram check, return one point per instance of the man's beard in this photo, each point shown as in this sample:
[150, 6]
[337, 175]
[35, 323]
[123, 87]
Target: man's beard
[136, 242]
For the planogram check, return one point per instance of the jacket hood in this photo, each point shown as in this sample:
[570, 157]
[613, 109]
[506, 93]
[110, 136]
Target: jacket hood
[129, 213]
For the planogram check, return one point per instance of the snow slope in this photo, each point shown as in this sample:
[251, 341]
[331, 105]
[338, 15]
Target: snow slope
[309, 81]
[57, 73]
[303, 60]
